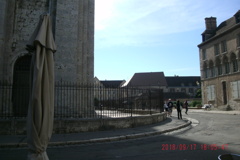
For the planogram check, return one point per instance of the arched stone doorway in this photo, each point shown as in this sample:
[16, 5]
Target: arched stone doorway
[21, 81]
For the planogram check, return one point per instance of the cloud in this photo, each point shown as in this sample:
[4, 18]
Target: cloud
[143, 22]
[105, 11]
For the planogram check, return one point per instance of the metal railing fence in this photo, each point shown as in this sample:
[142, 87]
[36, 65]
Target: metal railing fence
[77, 100]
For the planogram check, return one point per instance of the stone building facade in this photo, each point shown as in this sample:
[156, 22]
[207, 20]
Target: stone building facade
[173, 87]
[108, 89]
[219, 55]
[73, 29]
[182, 87]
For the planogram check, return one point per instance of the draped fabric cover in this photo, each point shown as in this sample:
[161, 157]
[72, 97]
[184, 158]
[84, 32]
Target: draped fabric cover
[41, 100]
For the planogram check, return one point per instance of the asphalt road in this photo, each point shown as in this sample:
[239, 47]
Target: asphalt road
[214, 135]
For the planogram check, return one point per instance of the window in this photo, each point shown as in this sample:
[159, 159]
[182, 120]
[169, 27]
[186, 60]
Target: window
[190, 90]
[235, 89]
[205, 70]
[224, 46]
[172, 90]
[235, 65]
[211, 92]
[212, 72]
[183, 90]
[219, 68]
[211, 69]
[238, 40]
[234, 62]
[206, 73]
[204, 54]
[216, 49]
[227, 68]
[226, 65]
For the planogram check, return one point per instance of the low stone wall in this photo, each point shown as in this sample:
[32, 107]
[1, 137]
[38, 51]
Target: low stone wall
[18, 126]
[73, 126]
[13, 126]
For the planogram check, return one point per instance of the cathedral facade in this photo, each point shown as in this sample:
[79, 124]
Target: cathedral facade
[73, 30]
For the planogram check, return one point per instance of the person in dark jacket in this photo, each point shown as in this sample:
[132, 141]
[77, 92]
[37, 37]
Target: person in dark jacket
[186, 106]
[179, 109]
[170, 106]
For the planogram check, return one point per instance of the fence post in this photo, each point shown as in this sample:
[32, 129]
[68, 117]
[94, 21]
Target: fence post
[150, 100]
[129, 101]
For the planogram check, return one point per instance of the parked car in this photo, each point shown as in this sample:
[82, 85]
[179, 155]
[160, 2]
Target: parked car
[207, 106]
[229, 157]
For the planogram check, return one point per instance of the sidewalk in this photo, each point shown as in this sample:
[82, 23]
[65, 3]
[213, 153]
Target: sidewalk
[170, 124]
[214, 110]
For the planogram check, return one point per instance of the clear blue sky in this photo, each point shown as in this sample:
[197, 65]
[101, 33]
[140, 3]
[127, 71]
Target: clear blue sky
[133, 36]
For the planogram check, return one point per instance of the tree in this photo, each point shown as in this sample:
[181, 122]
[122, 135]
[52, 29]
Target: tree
[198, 94]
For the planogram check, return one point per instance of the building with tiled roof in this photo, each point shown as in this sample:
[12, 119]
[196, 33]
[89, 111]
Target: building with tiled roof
[182, 84]
[112, 83]
[107, 89]
[148, 80]
[174, 87]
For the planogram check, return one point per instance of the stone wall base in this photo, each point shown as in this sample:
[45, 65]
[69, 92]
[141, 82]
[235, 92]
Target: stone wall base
[18, 126]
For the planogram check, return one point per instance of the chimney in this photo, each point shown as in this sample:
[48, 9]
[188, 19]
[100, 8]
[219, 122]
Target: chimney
[211, 26]
[211, 23]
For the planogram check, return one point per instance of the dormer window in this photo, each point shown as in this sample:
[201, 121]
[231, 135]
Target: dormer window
[237, 16]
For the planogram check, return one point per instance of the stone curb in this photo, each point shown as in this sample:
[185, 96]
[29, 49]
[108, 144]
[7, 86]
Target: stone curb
[100, 140]
[216, 112]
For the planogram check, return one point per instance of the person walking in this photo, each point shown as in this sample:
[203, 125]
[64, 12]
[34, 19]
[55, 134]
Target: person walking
[186, 106]
[170, 106]
[166, 108]
[179, 110]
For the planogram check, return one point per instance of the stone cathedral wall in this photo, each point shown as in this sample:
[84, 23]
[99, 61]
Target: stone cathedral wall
[73, 28]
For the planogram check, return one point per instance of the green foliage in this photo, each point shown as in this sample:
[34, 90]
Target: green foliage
[174, 103]
[198, 94]
[195, 103]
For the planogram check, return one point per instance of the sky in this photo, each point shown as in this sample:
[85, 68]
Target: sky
[134, 36]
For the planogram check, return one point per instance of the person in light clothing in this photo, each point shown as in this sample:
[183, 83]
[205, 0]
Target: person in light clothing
[166, 108]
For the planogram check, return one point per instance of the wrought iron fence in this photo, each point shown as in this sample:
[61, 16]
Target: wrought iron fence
[76, 100]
